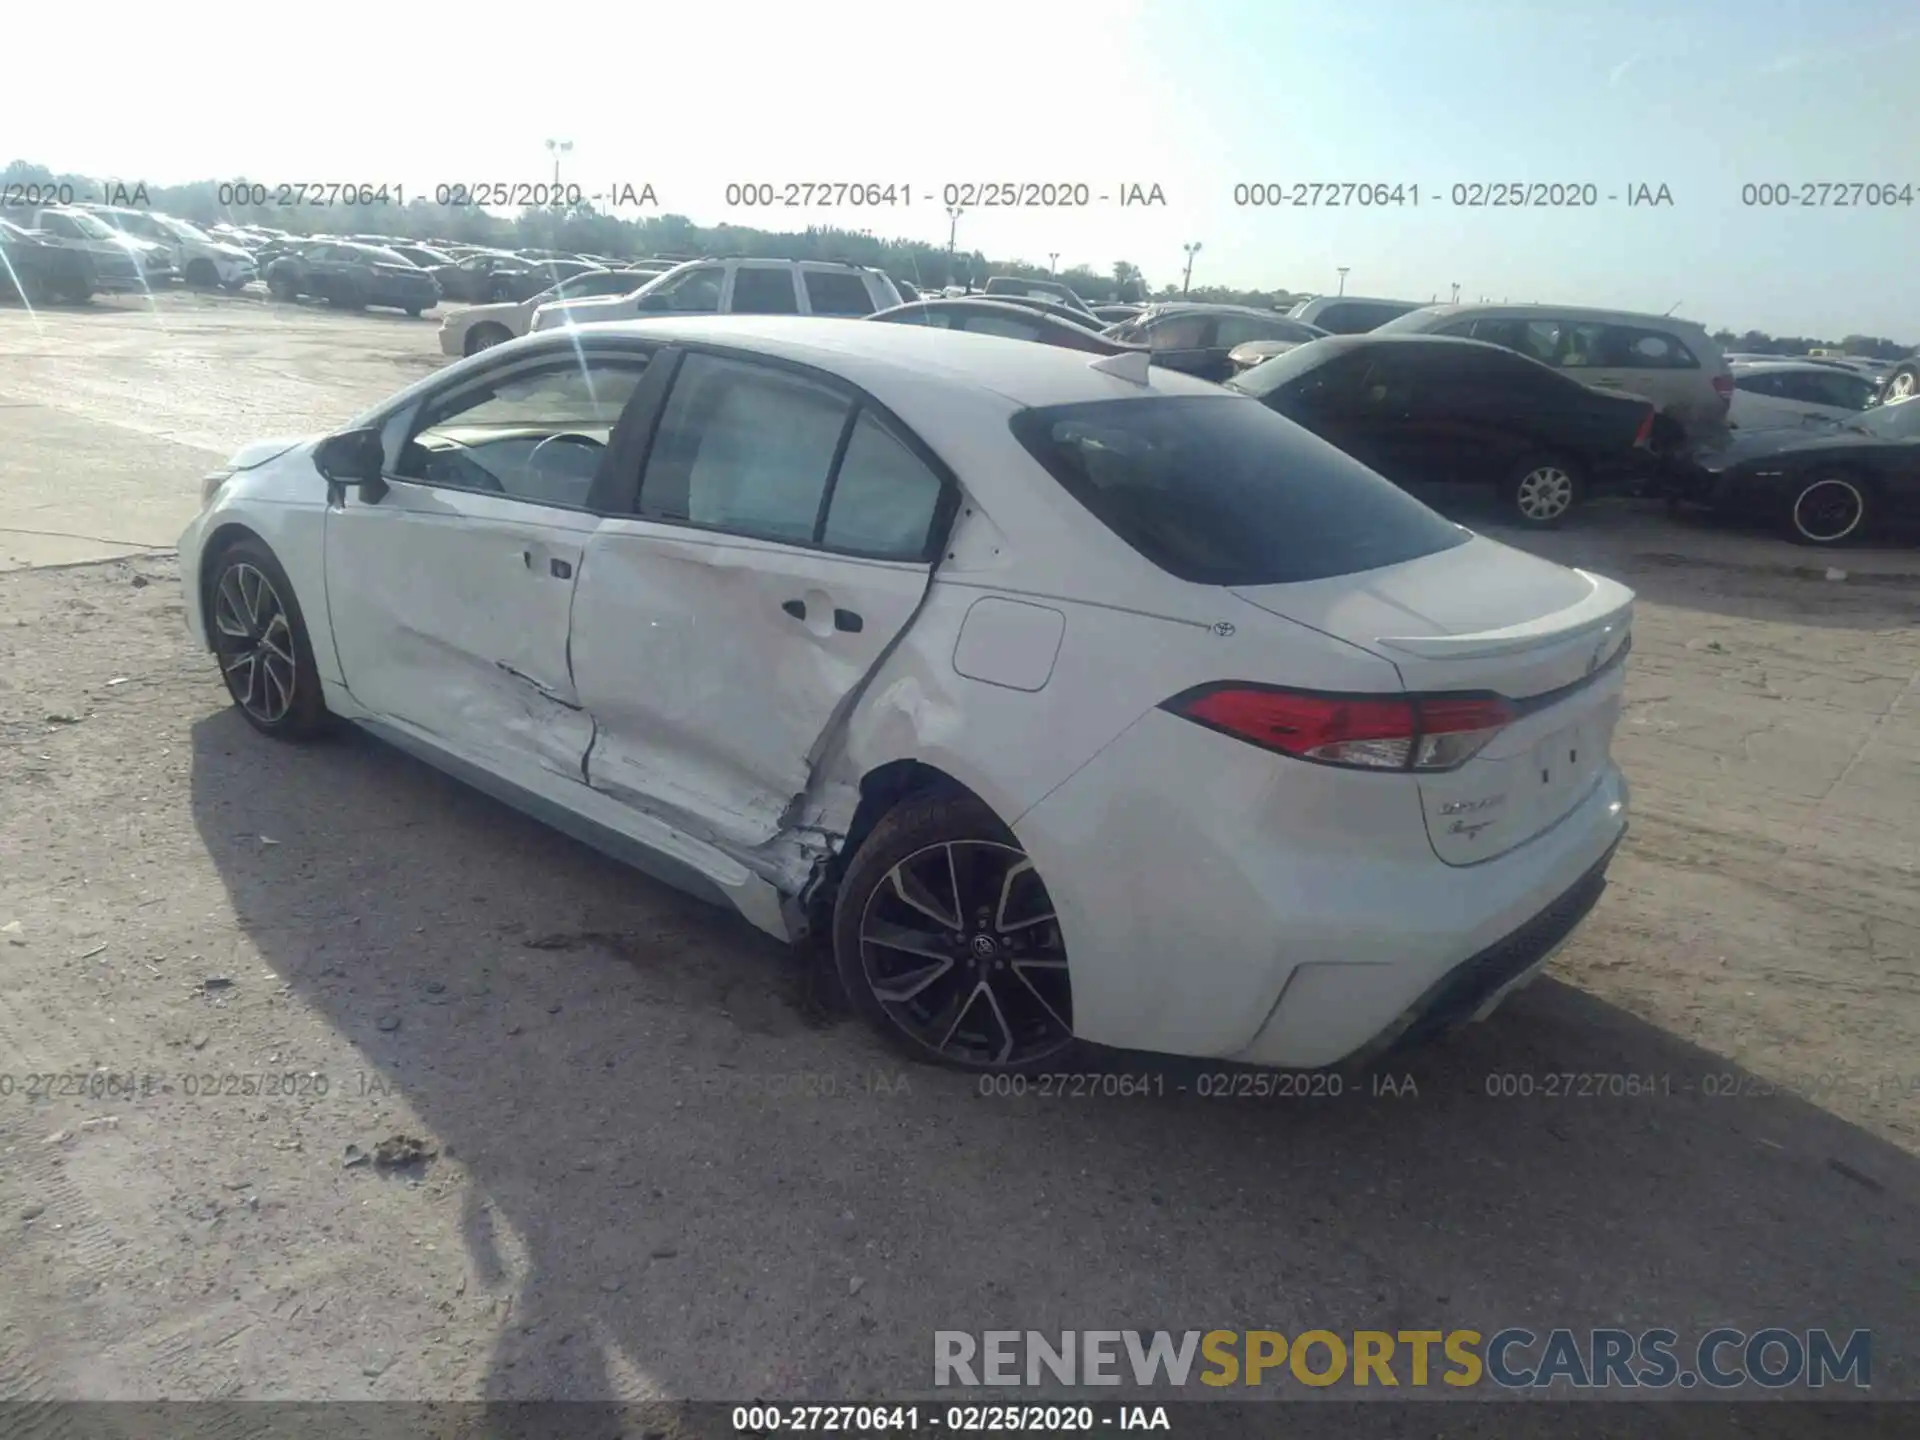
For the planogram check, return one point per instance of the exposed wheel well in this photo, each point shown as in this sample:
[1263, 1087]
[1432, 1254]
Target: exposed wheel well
[223, 537]
[881, 790]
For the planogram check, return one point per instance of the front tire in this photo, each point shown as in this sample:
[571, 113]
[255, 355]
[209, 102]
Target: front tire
[1830, 510]
[283, 289]
[202, 276]
[485, 336]
[946, 941]
[1904, 382]
[261, 642]
[1542, 491]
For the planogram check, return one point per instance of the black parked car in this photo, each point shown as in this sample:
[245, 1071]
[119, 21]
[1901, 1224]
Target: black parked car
[1198, 339]
[1427, 408]
[352, 275]
[493, 276]
[995, 316]
[35, 270]
[1830, 486]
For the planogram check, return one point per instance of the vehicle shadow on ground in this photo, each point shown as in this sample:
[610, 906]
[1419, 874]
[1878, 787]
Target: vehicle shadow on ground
[1711, 563]
[712, 1194]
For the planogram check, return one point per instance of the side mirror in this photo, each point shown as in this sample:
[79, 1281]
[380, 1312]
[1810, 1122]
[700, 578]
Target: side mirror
[351, 458]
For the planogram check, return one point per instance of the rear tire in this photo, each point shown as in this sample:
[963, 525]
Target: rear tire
[260, 639]
[202, 276]
[1542, 491]
[1829, 510]
[945, 940]
[282, 288]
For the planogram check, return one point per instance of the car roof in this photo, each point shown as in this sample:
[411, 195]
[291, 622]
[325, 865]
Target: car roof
[1355, 300]
[899, 363]
[1570, 312]
[1171, 307]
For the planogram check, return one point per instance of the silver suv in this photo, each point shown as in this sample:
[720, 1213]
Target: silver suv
[1674, 363]
[1350, 314]
[738, 285]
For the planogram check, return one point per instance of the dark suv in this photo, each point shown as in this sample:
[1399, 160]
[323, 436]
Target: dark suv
[352, 275]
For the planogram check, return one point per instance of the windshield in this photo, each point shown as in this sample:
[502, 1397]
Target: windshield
[1895, 420]
[91, 226]
[184, 229]
[1269, 375]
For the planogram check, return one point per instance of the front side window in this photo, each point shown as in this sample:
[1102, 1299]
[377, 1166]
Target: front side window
[1219, 490]
[1178, 332]
[696, 292]
[744, 448]
[535, 434]
[764, 290]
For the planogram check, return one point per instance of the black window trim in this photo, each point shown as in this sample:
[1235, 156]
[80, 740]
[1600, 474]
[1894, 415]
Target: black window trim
[645, 431]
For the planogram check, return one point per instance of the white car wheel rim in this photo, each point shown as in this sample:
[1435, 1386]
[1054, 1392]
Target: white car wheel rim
[1829, 510]
[1545, 493]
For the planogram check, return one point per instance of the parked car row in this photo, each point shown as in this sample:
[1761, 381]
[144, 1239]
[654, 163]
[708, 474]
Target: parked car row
[1547, 405]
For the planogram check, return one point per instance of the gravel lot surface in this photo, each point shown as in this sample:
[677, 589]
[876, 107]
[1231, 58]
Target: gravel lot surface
[655, 1169]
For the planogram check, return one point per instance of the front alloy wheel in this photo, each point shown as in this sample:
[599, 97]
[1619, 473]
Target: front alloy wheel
[1830, 511]
[256, 643]
[1904, 384]
[954, 949]
[261, 643]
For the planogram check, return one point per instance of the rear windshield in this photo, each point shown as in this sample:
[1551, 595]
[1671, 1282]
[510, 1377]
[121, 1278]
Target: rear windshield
[1219, 490]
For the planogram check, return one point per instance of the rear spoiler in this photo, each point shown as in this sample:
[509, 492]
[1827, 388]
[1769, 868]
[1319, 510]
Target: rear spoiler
[1604, 611]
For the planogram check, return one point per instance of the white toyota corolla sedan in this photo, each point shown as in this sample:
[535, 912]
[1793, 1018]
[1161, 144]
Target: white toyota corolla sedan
[1064, 699]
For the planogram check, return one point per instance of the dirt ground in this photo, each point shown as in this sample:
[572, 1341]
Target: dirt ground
[655, 1172]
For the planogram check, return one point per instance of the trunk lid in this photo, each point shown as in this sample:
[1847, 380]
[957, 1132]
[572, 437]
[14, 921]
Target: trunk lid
[1483, 617]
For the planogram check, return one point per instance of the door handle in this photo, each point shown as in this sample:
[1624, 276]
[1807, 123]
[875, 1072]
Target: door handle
[796, 608]
[849, 621]
[561, 569]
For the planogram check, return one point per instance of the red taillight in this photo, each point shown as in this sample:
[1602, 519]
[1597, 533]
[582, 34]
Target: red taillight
[1646, 428]
[1363, 732]
[1723, 386]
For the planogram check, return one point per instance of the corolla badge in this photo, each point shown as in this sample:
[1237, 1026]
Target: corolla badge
[1461, 827]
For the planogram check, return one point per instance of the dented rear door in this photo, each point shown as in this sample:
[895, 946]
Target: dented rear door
[780, 543]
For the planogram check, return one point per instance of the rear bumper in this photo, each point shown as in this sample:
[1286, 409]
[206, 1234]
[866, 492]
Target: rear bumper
[1471, 989]
[1220, 903]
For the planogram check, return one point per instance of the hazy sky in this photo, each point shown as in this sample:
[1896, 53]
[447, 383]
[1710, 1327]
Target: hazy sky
[1702, 96]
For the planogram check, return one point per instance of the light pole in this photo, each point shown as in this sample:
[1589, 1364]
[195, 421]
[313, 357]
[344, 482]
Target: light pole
[1456, 292]
[1343, 280]
[954, 212]
[557, 148]
[1053, 262]
[1186, 281]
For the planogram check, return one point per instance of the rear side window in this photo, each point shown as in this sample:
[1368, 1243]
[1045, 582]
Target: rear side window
[762, 290]
[835, 292]
[1219, 490]
[743, 448]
